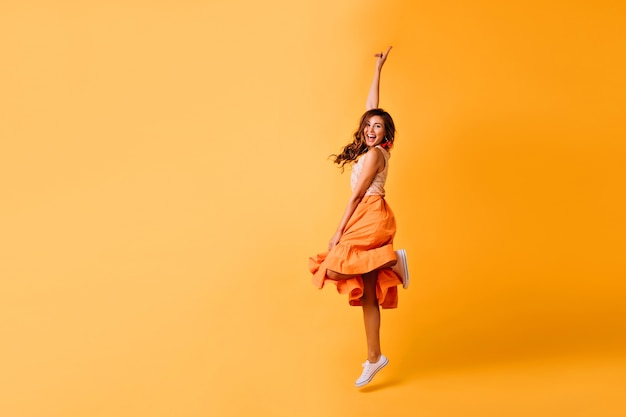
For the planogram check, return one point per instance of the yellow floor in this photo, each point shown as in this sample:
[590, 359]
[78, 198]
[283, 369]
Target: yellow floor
[299, 358]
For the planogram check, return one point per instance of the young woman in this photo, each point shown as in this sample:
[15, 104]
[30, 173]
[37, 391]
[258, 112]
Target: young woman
[360, 259]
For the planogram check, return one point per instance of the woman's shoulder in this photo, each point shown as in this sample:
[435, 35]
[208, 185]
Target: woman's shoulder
[376, 156]
[374, 153]
[381, 152]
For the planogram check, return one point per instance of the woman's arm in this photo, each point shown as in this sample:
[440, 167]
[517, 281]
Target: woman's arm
[372, 97]
[374, 162]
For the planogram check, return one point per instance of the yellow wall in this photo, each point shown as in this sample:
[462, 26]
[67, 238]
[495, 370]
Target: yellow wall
[164, 178]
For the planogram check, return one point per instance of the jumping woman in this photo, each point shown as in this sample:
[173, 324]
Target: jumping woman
[360, 259]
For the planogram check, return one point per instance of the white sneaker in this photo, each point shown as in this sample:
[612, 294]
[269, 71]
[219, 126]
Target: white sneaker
[370, 369]
[402, 267]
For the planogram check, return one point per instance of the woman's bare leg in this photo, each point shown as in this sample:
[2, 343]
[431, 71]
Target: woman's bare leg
[371, 316]
[337, 276]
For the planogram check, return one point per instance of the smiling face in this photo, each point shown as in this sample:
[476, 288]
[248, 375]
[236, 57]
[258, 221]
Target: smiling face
[374, 131]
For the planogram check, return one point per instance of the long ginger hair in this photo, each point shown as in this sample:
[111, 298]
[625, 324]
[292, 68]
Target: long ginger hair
[352, 151]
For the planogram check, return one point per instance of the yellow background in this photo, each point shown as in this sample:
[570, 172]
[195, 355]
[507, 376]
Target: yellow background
[164, 178]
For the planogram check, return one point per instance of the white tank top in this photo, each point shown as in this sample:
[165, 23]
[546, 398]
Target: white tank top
[378, 184]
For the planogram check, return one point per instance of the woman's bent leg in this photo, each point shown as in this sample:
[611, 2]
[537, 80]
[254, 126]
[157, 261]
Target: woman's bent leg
[338, 276]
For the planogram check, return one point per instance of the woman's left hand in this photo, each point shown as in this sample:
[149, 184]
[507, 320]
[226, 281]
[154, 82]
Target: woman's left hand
[381, 57]
[334, 240]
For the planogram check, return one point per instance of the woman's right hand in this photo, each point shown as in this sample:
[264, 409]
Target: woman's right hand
[334, 240]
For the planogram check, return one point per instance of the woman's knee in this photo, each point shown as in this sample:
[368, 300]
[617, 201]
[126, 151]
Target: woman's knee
[369, 289]
[369, 298]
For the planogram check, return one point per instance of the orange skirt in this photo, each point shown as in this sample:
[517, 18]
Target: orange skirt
[366, 245]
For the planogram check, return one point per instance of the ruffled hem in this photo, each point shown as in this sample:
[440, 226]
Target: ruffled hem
[386, 286]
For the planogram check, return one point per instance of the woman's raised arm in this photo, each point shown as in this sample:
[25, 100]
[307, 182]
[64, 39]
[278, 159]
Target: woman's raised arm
[372, 97]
